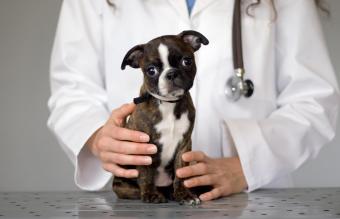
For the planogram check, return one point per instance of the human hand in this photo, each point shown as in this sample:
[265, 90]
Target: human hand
[115, 145]
[225, 175]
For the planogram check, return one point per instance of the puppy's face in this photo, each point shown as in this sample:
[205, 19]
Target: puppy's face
[169, 67]
[167, 62]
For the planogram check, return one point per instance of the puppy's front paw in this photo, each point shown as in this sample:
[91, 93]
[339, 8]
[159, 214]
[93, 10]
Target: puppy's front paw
[191, 202]
[187, 198]
[154, 197]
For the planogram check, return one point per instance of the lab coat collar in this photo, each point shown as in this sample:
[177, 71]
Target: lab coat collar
[201, 5]
[182, 8]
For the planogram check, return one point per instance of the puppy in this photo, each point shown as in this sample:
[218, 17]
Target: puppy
[166, 113]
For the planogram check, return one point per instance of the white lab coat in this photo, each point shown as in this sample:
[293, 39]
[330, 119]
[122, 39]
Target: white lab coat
[291, 115]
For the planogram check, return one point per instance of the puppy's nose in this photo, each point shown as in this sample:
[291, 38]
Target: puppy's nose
[171, 75]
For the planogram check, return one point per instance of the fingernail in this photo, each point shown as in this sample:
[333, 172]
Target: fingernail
[135, 173]
[186, 183]
[152, 149]
[145, 138]
[148, 160]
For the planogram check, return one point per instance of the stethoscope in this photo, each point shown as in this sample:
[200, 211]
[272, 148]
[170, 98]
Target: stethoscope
[236, 86]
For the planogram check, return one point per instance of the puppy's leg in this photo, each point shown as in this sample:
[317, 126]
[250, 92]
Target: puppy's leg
[182, 194]
[148, 190]
[126, 188]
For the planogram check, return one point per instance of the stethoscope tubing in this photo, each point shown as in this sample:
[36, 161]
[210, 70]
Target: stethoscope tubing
[237, 37]
[236, 86]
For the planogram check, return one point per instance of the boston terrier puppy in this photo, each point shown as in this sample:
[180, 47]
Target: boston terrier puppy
[166, 113]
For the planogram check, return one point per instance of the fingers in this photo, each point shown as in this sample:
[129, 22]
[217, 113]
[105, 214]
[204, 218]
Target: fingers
[125, 147]
[122, 112]
[215, 193]
[192, 170]
[204, 180]
[194, 156]
[124, 159]
[125, 134]
[118, 171]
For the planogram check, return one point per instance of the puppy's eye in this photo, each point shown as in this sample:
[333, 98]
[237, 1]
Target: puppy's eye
[151, 71]
[186, 61]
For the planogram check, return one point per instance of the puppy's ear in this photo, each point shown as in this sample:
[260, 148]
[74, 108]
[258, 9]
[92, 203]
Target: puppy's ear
[194, 39]
[133, 57]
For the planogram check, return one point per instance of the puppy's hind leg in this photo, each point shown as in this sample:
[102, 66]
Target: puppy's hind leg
[126, 188]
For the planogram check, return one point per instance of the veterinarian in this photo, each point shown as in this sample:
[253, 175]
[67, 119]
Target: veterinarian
[238, 146]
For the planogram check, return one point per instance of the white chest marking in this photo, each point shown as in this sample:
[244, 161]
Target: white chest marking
[171, 132]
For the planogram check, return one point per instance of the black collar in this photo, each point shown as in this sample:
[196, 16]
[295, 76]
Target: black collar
[147, 96]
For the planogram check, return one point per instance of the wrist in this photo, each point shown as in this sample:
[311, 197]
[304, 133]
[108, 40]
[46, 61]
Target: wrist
[242, 177]
[90, 143]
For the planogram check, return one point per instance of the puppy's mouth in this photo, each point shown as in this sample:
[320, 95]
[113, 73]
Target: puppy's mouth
[177, 93]
[171, 91]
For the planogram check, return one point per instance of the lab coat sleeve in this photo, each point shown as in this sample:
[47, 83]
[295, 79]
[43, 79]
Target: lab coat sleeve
[78, 101]
[307, 101]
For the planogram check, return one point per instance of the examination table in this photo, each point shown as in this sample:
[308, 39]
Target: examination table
[268, 203]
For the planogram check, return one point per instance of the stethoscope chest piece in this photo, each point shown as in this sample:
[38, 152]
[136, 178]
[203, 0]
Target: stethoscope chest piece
[233, 88]
[236, 86]
[249, 88]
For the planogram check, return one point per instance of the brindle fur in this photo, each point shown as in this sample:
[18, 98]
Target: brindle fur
[147, 115]
[143, 187]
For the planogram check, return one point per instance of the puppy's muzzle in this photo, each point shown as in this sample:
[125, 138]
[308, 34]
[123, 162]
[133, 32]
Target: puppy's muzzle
[178, 80]
[171, 75]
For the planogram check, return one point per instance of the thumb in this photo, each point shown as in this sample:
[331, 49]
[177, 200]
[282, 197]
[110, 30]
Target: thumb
[122, 112]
